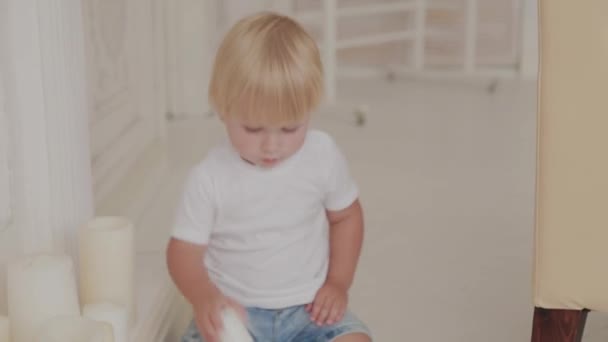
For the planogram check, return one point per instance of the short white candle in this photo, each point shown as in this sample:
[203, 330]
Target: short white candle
[107, 257]
[5, 332]
[115, 315]
[74, 329]
[39, 288]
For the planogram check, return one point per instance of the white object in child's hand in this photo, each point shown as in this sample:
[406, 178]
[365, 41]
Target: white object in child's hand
[234, 328]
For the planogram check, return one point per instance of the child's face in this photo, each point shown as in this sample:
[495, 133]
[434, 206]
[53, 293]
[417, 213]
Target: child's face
[266, 145]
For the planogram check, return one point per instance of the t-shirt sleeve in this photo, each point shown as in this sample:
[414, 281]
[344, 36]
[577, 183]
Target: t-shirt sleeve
[342, 190]
[195, 214]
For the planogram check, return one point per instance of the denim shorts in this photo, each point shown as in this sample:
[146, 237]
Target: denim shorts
[291, 324]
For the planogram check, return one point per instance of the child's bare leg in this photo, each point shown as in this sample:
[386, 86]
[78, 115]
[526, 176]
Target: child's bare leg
[358, 337]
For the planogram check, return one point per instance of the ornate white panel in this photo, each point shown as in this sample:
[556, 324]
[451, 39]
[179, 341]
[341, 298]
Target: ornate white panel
[125, 84]
[191, 38]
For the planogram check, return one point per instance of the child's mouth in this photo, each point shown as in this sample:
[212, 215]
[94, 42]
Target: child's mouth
[270, 161]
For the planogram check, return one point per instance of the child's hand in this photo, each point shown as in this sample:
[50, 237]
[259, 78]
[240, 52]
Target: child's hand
[329, 305]
[208, 315]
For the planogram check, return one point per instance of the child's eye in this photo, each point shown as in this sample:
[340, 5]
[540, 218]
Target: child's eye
[253, 129]
[289, 129]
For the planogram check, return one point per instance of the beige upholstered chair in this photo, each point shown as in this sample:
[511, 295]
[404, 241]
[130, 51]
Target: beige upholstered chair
[571, 256]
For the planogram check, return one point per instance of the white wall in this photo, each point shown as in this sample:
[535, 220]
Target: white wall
[193, 31]
[230, 11]
[5, 190]
[530, 48]
[8, 238]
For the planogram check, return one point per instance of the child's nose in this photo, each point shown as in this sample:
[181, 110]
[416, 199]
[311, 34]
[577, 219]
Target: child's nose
[270, 144]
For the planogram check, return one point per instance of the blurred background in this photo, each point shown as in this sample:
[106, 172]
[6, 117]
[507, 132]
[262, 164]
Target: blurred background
[433, 102]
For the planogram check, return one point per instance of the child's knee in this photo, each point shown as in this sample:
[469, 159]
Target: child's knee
[356, 337]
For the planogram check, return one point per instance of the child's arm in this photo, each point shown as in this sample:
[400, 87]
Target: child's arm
[346, 238]
[188, 271]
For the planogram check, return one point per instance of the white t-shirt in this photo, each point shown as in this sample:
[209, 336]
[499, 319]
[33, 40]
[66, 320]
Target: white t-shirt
[266, 229]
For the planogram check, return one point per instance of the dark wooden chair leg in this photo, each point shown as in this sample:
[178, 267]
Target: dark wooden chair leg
[552, 325]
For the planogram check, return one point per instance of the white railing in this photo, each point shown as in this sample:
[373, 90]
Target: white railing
[418, 35]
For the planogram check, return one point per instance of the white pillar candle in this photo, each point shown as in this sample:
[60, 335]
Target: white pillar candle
[107, 257]
[39, 288]
[5, 332]
[74, 329]
[115, 315]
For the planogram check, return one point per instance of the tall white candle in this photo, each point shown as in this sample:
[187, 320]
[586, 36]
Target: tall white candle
[74, 329]
[39, 288]
[115, 315]
[5, 332]
[107, 257]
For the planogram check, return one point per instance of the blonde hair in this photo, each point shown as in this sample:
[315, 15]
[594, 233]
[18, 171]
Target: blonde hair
[267, 69]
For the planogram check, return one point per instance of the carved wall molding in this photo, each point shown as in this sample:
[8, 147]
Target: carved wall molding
[191, 38]
[125, 81]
